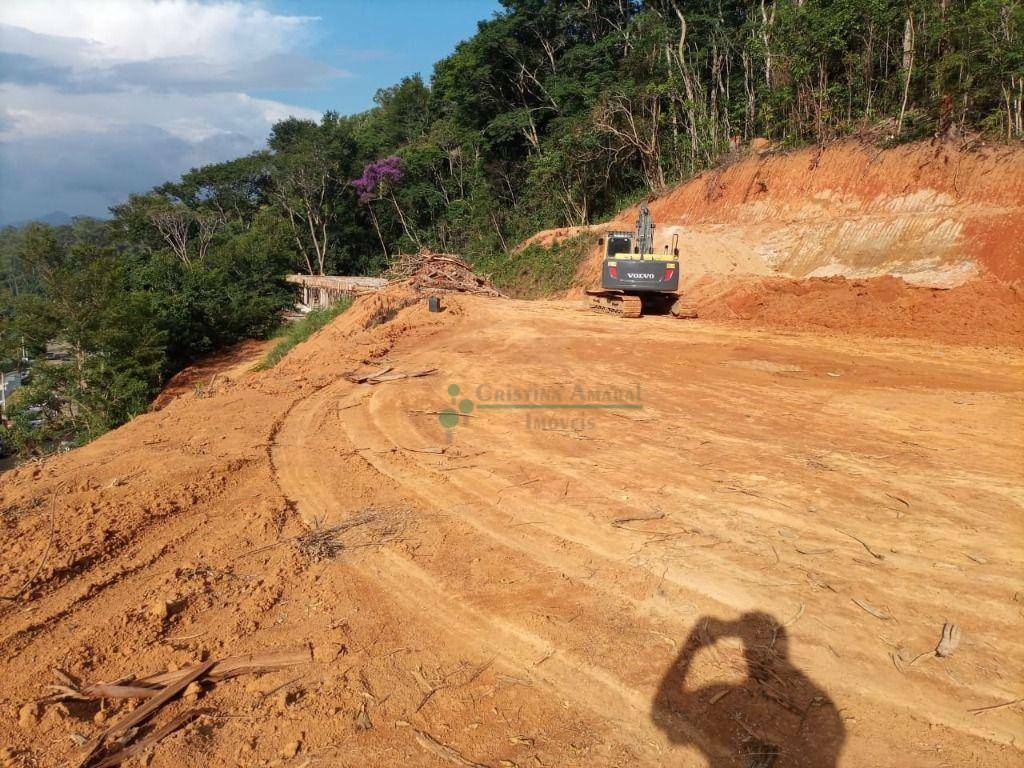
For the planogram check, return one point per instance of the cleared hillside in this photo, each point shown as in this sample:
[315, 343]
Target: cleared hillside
[518, 533]
[814, 239]
[768, 545]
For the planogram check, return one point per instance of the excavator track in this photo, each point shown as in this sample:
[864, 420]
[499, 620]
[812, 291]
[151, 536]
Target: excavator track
[615, 303]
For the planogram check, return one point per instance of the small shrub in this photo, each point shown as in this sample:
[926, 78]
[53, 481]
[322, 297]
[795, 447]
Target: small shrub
[295, 333]
[538, 271]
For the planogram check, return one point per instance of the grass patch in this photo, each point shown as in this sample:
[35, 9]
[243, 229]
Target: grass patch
[538, 271]
[295, 333]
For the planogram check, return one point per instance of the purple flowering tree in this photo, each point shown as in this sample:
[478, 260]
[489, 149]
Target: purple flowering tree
[378, 182]
[378, 178]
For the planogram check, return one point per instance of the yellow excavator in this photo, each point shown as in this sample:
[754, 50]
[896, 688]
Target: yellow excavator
[635, 279]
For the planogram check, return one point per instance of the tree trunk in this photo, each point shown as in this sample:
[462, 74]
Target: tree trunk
[908, 66]
[376, 226]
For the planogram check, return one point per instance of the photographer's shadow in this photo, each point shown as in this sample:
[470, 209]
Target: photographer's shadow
[775, 718]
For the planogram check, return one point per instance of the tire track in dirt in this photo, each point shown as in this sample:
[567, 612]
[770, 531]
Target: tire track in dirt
[624, 708]
[383, 427]
[430, 596]
[369, 425]
[566, 541]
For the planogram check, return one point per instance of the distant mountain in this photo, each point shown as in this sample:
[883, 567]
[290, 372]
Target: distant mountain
[56, 218]
[53, 218]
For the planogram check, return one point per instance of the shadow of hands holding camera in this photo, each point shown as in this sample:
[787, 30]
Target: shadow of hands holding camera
[775, 718]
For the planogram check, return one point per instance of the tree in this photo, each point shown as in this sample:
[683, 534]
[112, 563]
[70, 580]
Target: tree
[117, 351]
[234, 190]
[162, 219]
[308, 179]
[378, 183]
[174, 223]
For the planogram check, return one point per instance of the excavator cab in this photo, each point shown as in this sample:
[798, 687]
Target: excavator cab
[617, 243]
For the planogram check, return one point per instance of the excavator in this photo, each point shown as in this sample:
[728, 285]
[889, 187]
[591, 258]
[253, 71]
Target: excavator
[635, 279]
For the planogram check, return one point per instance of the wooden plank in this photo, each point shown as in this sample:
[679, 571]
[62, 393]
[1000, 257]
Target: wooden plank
[144, 712]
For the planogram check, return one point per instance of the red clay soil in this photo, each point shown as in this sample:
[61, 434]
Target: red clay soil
[938, 215]
[942, 200]
[982, 312]
[796, 516]
[920, 241]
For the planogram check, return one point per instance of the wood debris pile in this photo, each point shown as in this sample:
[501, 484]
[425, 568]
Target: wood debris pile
[439, 273]
[120, 740]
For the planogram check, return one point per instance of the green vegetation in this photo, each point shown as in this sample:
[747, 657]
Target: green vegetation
[127, 319]
[538, 270]
[297, 332]
[554, 113]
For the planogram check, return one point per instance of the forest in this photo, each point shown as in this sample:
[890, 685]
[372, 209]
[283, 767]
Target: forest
[556, 112]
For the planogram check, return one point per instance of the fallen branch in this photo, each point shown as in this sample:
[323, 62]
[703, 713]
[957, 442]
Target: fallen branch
[618, 522]
[46, 552]
[143, 713]
[878, 614]
[805, 551]
[439, 413]
[160, 689]
[180, 721]
[443, 751]
[396, 375]
[757, 495]
[223, 669]
[979, 710]
[359, 378]
[864, 544]
[387, 373]
[331, 530]
[904, 502]
[438, 450]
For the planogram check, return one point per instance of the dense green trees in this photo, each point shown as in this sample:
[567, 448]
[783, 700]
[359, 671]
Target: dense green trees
[125, 318]
[555, 112]
[115, 345]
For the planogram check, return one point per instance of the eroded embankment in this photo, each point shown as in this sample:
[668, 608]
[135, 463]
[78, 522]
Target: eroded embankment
[813, 239]
[934, 214]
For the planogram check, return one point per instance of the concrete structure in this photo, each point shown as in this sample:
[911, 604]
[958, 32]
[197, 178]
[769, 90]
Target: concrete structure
[8, 383]
[316, 291]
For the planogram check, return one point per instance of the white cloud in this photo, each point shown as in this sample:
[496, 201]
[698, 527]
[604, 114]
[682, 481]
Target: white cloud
[178, 72]
[140, 30]
[89, 171]
[42, 111]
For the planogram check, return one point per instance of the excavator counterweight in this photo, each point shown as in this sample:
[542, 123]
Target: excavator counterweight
[634, 278]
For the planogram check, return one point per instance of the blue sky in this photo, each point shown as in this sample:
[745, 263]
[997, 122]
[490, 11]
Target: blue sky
[101, 98]
[378, 43]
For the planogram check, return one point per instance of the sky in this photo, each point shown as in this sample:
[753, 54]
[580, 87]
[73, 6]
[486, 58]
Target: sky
[100, 98]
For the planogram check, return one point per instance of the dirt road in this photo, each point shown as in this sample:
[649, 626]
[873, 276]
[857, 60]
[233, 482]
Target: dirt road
[745, 543]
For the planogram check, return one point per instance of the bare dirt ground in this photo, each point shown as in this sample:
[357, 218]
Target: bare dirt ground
[760, 558]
